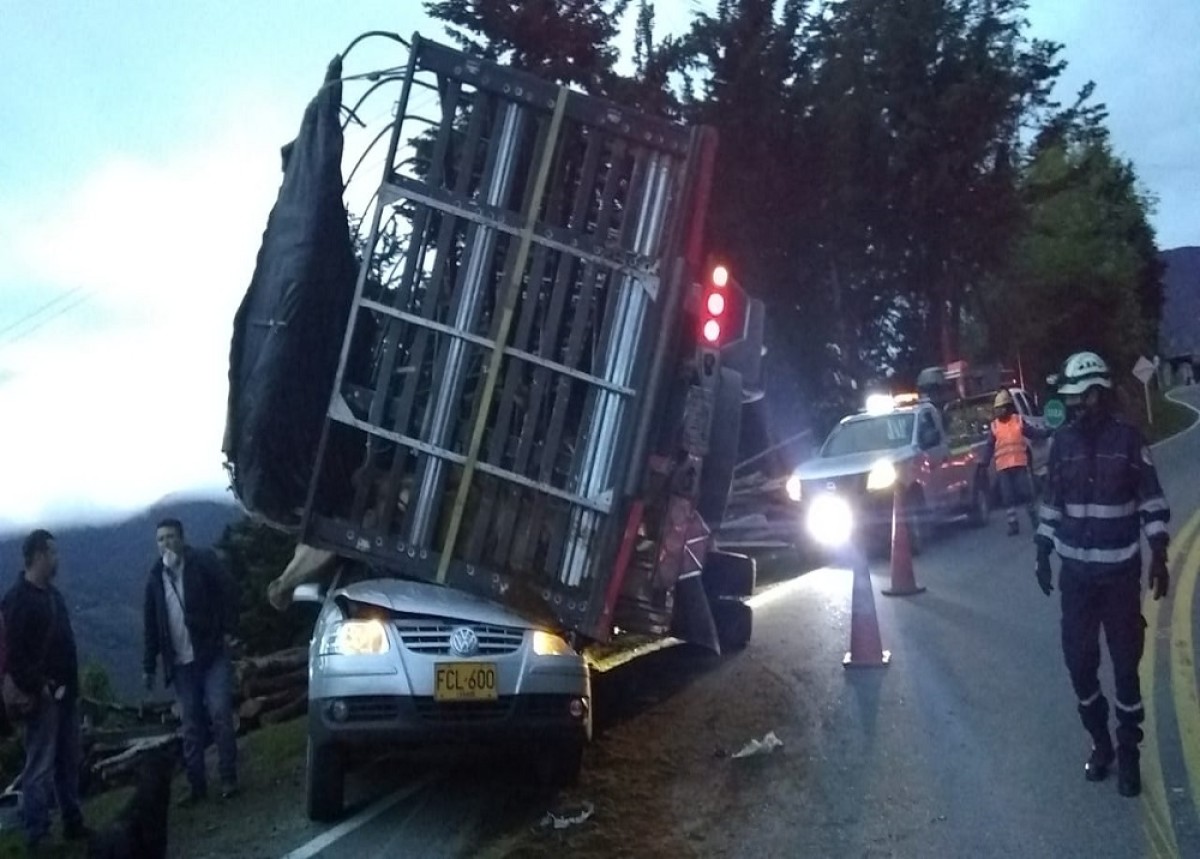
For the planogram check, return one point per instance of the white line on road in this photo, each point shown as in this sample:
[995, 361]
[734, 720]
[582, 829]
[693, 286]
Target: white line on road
[312, 848]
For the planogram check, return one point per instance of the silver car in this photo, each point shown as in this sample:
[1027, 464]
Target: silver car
[396, 664]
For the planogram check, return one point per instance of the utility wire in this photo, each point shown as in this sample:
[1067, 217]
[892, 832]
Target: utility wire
[82, 299]
[59, 299]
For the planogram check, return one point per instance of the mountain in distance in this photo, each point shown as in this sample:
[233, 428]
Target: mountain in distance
[1179, 332]
[102, 575]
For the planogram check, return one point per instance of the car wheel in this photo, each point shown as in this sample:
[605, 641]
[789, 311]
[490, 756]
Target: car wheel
[920, 526]
[559, 764]
[727, 574]
[981, 504]
[734, 621]
[325, 782]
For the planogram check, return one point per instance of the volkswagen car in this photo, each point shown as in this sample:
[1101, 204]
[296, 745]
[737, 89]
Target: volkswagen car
[398, 665]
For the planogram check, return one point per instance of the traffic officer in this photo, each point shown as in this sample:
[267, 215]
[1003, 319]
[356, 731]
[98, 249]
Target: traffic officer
[1101, 486]
[1006, 443]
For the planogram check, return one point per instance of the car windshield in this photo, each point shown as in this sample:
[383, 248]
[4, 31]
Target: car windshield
[885, 432]
[967, 420]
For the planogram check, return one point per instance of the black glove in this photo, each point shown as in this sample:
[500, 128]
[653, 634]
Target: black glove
[1043, 572]
[1160, 578]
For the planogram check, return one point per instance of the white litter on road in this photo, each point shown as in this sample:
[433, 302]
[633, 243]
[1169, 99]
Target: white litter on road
[766, 745]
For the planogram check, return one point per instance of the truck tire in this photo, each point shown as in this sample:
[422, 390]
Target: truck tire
[727, 574]
[558, 764]
[735, 623]
[325, 782]
[716, 474]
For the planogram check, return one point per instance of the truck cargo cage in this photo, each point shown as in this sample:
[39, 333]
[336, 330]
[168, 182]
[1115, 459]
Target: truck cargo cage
[522, 252]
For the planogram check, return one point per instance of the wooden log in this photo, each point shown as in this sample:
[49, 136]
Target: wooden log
[293, 709]
[252, 708]
[128, 759]
[258, 687]
[281, 662]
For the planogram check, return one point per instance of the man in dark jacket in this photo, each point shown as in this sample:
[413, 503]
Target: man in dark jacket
[44, 665]
[189, 620]
[1102, 493]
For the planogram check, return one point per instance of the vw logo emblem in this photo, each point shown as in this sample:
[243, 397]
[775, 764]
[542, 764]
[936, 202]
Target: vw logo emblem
[463, 641]
[831, 486]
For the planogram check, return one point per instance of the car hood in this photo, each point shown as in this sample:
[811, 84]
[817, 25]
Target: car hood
[822, 468]
[403, 595]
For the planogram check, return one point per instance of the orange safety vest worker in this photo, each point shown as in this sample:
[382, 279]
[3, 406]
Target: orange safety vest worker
[1010, 444]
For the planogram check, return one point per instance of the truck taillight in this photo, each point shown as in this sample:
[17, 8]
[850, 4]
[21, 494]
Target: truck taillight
[714, 304]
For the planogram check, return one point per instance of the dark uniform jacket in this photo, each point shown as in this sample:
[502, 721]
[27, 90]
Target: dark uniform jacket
[1102, 493]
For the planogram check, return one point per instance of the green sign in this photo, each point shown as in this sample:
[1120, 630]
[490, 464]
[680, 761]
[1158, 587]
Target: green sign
[1056, 413]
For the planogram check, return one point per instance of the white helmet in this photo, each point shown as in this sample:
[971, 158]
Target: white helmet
[1083, 370]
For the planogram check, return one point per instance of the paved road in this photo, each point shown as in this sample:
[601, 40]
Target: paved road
[967, 744]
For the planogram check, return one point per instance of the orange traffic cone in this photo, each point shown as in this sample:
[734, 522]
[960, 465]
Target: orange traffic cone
[904, 582]
[866, 648]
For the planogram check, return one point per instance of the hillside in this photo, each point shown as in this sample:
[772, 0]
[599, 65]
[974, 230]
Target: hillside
[1180, 331]
[102, 572]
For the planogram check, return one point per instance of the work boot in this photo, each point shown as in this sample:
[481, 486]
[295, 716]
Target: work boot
[1101, 758]
[1014, 527]
[1129, 774]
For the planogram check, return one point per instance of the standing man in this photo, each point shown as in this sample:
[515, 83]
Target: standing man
[44, 667]
[1006, 442]
[189, 620]
[1102, 486]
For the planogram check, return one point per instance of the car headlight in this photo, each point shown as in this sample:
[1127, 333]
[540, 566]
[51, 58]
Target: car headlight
[549, 644]
[355, 637]
[882, 476]
[830, 520]
[793, 487]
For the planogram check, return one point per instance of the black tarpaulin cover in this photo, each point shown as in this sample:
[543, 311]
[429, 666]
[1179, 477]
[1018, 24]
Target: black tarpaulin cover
[287, 334]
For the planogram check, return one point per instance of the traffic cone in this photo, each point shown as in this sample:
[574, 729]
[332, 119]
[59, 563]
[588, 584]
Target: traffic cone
[904, 582]
[866, 648]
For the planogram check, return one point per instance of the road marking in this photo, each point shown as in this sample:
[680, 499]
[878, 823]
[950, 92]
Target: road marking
[1195, 424]
[1183, 668]
[325, 839]
[1160, 830]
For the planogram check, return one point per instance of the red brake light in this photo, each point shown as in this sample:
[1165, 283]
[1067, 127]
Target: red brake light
[716, 303]
[712, 331]
[720, 276]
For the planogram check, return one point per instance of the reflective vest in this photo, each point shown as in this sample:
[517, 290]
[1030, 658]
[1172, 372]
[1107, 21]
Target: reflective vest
[1010, 444]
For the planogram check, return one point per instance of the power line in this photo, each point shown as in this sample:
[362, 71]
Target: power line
[38, 311]
[83, 299]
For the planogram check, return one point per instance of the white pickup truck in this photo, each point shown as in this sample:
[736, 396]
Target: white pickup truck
[897, 445]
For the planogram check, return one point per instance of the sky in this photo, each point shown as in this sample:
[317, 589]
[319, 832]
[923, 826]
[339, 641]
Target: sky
[139, 159]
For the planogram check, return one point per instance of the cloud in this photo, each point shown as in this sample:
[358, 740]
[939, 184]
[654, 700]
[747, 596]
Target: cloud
[122, 400]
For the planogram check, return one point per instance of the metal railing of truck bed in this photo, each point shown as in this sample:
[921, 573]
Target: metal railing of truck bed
[522, 263]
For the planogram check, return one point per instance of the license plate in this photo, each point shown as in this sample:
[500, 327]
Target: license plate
[465, 681]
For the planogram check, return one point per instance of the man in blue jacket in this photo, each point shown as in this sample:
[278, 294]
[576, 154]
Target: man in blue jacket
[1102, 493]
[189, 618]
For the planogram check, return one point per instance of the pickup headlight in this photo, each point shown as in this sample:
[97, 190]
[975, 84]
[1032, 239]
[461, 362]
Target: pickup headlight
[793, 487]
[549, 644]
[830, 520]
[354, 638]
[882, 476]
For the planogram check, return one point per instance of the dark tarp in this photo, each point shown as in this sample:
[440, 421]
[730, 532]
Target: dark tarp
[288, 332]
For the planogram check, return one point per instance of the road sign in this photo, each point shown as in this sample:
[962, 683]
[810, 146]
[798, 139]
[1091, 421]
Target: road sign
[1056, 413]
[1144, 370]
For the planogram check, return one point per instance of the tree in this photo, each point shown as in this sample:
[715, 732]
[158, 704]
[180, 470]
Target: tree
[1085, 272]
[568, 42]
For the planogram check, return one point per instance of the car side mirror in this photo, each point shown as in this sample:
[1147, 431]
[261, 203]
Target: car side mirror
[308, 592]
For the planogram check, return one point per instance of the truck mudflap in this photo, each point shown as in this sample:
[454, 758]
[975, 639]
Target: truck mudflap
[524, 255]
